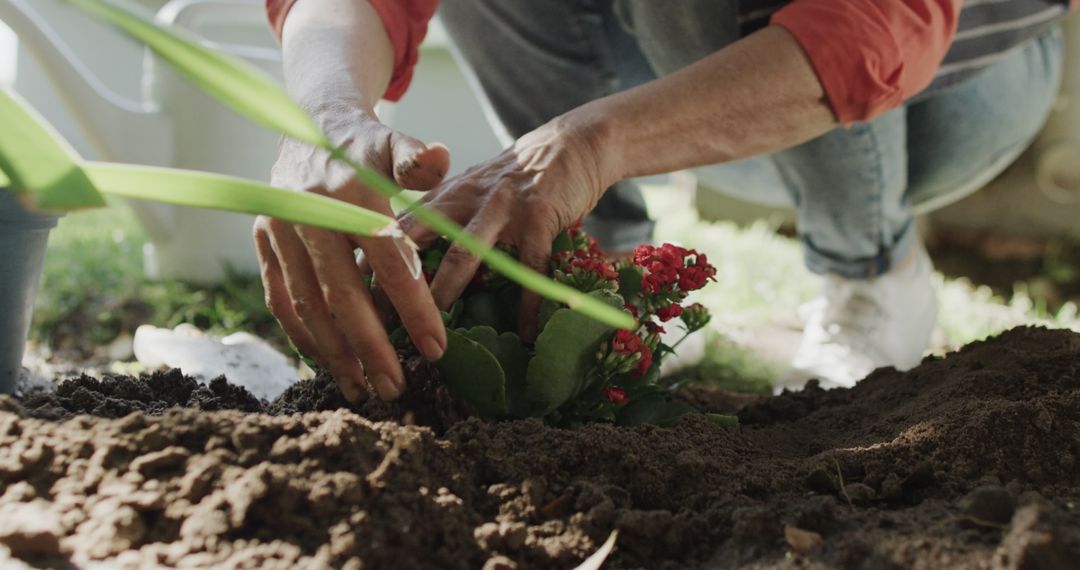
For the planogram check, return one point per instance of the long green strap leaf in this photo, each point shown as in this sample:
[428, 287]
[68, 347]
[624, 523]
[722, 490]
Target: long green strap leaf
[250, 93]
[244, 88]
[206, 190]
[37, 162]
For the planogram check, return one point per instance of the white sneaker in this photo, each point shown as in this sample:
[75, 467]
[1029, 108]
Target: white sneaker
[857, 326]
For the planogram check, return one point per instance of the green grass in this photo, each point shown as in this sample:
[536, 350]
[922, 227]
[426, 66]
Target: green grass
[93, 289]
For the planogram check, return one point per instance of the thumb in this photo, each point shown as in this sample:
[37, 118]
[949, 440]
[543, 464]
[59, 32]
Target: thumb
[418, 166]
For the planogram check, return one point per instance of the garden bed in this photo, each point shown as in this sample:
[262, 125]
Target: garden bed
[971, 461]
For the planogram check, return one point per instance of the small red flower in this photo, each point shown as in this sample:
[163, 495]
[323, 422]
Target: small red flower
[654, 328]
[645, 363]
[643, 254]
[582, 242]
[575, 229]
[625, 342]
[596, 266]
[696, 274]
[669, 312]
[616, 395]
[672, 255]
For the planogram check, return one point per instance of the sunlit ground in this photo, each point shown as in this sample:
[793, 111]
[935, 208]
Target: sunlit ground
[93, 296]
[761, 281]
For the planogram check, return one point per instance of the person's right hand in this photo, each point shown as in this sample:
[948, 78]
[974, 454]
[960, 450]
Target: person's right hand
[313, 284]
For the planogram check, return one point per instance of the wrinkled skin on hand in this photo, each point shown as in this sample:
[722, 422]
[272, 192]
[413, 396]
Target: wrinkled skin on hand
[313, 284]
[547, 180]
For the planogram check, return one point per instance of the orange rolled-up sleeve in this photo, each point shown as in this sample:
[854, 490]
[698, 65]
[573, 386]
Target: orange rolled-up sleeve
[871, 55]
[406, 23]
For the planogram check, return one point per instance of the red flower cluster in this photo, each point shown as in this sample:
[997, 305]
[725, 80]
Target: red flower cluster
[670, 266]
[627, 343]
[616, 395]
[669, 273]
[661, 267]
[595, 266]
[584, 267]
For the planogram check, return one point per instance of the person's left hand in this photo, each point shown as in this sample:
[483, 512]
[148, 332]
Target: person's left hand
[525, 196]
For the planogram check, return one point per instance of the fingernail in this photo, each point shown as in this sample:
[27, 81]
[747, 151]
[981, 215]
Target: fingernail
[352, 391]
[388, 388]
[431, 348]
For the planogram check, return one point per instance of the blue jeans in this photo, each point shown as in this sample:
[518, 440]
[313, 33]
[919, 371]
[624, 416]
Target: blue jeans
[856, 190]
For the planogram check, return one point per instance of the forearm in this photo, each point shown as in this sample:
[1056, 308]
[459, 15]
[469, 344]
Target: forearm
[337, 55]
[756, 96]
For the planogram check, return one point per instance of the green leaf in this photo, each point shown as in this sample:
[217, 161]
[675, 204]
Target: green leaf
[473, 374]
[450, 318]
[508, 295]
[630, 282]
[38, 162]
[513, 357]
[206, 190]
[481, 310]
[653, 409]
[237, 84]
[562, 242]
[547, 309]
[565, 356]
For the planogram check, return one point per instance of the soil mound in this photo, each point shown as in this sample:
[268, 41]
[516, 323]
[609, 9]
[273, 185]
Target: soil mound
[970, 461]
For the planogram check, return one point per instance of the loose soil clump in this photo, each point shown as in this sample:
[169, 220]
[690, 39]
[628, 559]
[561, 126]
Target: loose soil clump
[971, 461]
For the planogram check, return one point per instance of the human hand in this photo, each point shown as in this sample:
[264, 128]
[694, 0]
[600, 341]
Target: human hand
[313, 284]
[524, 197]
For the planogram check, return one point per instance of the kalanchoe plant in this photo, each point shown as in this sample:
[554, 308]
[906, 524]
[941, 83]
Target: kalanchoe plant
[578, 370]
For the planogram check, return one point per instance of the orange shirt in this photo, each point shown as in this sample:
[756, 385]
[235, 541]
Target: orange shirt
[870, 55]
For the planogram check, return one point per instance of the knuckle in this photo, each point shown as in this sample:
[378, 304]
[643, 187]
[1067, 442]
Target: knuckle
[538, 206]
[306, 233]
[306, 309]
[261, 228]
[409, 226]
[339, 355]
[276, 226]
[456, 256]
[338, 298]
[374, 153]
[501, 198]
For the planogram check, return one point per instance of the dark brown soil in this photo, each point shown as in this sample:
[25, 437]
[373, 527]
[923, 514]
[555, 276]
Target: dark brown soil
[972, 461]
